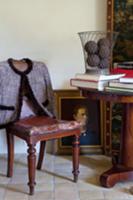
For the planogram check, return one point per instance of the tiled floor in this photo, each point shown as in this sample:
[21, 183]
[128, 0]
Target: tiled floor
[54, 182]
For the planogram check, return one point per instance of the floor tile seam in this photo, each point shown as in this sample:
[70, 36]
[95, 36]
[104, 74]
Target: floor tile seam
[78, 192]
[92, 191]
[54, 180]
[5, 193]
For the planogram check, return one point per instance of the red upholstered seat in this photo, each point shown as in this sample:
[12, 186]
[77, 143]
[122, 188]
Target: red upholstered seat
[44, 125]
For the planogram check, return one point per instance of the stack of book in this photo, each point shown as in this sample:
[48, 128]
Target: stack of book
[119, 86]
[125, 83]
[93, 81]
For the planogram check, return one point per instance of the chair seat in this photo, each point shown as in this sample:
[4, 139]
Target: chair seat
[40, 125]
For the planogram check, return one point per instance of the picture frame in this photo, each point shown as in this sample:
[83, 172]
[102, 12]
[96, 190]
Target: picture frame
[91, 141]
[120, 19]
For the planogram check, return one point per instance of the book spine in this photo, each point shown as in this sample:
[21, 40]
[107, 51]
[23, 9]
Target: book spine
[118, 89]
[121, 85]
[87, 77]
[83, 80]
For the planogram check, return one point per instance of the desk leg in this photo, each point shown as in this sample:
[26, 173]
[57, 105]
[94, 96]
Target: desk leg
[123, 171]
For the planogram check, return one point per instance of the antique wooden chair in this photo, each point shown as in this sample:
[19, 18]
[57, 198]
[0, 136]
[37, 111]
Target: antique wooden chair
[40, 129]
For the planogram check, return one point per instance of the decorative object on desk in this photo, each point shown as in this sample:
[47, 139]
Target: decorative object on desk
[91, 140]
[120, 18]
[97, 48]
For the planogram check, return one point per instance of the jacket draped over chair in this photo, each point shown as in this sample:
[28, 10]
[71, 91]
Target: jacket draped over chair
[35, 80]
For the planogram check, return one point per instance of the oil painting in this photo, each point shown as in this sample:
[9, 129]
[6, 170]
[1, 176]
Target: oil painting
[72, 106]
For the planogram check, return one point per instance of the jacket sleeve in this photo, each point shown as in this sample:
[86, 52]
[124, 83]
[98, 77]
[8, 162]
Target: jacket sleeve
[50, 103]
[3, 107]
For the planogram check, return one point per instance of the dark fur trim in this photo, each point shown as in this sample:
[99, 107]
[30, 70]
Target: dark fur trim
[3, 107]
[37, 108]
[28, 61]
[46, 103]
[30, 95]
[20, 98]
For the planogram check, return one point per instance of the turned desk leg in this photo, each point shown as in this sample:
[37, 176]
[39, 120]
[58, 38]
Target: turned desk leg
[31, 167]
[75, 153]
[123, 171]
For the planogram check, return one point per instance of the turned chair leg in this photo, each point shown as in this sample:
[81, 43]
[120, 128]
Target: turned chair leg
[75, 154]
[10, 153]
[31, 167]
[41, 154]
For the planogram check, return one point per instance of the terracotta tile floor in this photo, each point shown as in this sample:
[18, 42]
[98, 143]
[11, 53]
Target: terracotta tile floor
[54, 182]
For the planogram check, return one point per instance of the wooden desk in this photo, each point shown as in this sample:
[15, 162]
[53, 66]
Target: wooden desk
[123, 170]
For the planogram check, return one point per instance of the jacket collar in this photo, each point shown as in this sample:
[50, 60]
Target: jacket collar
[28, 61]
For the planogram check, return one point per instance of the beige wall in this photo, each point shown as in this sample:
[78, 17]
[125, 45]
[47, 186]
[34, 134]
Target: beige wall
[46, 30]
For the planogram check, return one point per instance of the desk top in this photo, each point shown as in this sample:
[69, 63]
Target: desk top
[115, 96]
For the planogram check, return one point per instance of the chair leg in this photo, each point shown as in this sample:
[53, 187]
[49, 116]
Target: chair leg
[75, 153]
[41, 154]
[31, 167]
[10, 152]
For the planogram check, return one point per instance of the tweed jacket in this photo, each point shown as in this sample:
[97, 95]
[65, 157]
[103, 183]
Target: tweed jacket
[36, 79]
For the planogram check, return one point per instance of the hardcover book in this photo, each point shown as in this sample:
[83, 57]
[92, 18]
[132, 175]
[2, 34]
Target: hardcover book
[125, 65]
[128, 72]
[120, 84]
[99, 85]
[99, 77]
[126, 80]
[118, 89]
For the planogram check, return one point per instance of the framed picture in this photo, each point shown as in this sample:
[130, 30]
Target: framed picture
[120, 19]
[72, 106]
